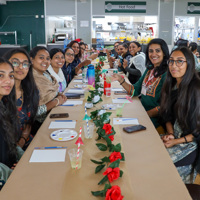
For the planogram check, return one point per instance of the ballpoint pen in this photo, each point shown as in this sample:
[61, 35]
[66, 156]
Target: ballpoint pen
[68, 105]
[126, 119]
[65, 120]
[55, 147]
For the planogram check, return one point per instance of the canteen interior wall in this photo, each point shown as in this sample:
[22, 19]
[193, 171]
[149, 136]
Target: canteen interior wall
[20, 16]
[84, 14]
[61, 7]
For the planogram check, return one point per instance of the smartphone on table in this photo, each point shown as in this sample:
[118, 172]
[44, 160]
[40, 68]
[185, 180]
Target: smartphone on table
[135, 128]
[120, 92]
[59, 115]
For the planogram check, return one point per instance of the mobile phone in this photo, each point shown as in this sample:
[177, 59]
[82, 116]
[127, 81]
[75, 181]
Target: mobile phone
[131, 129]
[73, 95]
[120, 92]
[59, 115]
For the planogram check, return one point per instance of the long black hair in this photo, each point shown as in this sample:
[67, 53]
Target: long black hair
[163, 66]
[35, 50]
[54, 51]
[31, 94]
[8, 118]
[188, 94]
[193, 46]
[71, 44]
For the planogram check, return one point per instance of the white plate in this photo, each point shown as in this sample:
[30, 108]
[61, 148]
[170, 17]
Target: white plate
[63, 135]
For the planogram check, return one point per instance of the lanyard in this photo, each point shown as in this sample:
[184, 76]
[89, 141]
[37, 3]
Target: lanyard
[151, 76]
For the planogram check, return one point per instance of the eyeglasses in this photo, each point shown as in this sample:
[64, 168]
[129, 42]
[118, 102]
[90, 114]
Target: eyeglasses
[83, 49]
[179, 63]
[16, 63]
[116, 46]
[70, 54]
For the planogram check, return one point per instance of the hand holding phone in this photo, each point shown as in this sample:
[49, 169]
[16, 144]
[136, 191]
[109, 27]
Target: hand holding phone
[131, 129]
[59, 115]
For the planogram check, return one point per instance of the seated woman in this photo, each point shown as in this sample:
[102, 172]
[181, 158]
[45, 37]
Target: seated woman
[47, 85]
[26, 92]
[150, 84]
[114, 54]
[57, 61]
[83, 55]
[10, 153]
[136, 67]
[68, 71]
[77, 53]
[126, 56]
[180, 109]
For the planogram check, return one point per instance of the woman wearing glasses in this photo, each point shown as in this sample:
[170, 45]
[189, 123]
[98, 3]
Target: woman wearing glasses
[68, 70]
[57, 61]
[180, 106]
[150, 84]
[10, 153]
[26, 92]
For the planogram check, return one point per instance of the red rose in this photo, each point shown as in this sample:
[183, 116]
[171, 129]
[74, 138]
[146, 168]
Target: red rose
[107, 128]
[111, 137]
[112, 174]
[19, 109]
[114, 193]
[115, 156]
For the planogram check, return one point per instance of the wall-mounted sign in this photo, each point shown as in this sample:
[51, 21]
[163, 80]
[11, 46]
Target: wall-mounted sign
[125, 6]
[193, 8]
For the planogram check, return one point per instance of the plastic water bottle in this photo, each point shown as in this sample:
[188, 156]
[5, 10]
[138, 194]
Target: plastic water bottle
[91, 75]
[84, 74]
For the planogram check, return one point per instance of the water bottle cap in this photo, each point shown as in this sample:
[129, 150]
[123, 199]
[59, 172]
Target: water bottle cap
[90, 66]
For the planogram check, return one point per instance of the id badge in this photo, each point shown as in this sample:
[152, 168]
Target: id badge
[144, 90]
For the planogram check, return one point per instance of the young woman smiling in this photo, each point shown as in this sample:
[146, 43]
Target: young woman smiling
[47, 85]
[10, 153]
[57, 61]
[27, 94]
[180, 109]
[136, 67]
[150, 84]
[68, 70]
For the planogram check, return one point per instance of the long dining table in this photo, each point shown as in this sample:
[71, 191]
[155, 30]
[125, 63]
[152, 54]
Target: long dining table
[149, 173]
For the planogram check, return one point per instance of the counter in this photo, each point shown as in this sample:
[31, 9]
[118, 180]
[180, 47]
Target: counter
[55, 45]
[6, 47]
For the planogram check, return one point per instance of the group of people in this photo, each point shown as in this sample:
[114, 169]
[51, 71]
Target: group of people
[30, 86]
[168, 85]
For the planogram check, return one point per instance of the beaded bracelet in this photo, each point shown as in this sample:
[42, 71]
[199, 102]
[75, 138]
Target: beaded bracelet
[185, 139]
[122, 82]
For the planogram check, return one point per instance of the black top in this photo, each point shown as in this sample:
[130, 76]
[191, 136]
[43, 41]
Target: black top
[171, 116]
[133, 78]
[5, 157]
[127, 56]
